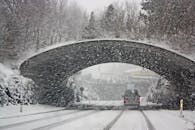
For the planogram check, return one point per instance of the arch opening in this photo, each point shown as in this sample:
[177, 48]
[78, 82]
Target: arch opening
[106, 84]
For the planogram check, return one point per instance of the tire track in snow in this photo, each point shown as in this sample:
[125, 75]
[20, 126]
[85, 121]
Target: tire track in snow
[148, 122]
[38, 113]
[109, 126]
[53, 125]
[35, 120]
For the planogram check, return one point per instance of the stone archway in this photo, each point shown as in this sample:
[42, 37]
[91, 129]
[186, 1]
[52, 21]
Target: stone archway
[49, 69]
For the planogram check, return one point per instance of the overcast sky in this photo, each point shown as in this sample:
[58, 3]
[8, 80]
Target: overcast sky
[93, 5]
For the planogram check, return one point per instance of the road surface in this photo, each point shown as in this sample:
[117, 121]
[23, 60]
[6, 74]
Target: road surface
[98, 120]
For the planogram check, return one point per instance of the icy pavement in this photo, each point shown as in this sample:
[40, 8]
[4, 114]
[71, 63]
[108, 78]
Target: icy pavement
[131, 120]
[96, 119]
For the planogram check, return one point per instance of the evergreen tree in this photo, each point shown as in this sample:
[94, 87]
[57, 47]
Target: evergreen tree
[109, 21]
[90, 31]
[172, 20]
[169, 17]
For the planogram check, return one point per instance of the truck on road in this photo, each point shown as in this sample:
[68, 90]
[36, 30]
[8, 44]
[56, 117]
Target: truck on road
[131, 98]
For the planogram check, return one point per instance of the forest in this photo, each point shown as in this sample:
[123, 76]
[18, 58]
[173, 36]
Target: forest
[29, 25]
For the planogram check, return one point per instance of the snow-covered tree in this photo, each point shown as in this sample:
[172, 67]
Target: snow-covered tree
[90, 31]
[15, 89]
[170, 20]
[109, 21]
[28, 25]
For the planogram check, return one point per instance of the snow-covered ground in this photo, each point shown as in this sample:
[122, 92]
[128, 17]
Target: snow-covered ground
[14, 110]
[94, 119]
[189, 117]
[163, 120]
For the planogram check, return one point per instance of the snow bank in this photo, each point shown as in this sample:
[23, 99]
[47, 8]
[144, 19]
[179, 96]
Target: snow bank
[14, 110]
[188, 115]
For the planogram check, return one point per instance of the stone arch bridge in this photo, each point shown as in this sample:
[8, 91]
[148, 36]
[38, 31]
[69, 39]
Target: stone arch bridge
[50, 68]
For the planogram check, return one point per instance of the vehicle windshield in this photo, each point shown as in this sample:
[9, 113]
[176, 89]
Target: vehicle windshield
[97, 65]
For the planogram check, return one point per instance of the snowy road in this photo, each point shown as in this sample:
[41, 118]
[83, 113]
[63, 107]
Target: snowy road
[98, 120]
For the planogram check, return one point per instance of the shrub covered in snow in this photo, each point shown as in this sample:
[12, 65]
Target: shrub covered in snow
[15, 88]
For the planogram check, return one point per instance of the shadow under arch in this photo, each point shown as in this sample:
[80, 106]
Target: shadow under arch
[48, 69]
